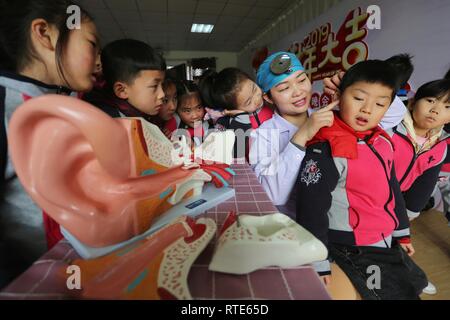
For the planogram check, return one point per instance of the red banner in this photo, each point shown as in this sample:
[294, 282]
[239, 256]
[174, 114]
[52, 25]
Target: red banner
[324, 52]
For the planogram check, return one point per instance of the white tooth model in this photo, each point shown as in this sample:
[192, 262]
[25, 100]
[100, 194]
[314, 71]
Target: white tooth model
[250, 243]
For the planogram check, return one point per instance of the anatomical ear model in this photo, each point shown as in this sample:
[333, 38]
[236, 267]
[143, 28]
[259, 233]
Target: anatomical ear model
[104, 180]
[248, 243]
[155, 268]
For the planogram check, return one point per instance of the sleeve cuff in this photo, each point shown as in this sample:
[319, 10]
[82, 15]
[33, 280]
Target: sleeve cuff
[405, 240]
[299, 146]
[323, 267]
[412, 214]
[401, 233]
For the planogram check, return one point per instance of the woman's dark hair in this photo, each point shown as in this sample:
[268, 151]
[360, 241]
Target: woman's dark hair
[437, 89]
[219, 90]
[123, 60]
[372, 71]
[16, 49]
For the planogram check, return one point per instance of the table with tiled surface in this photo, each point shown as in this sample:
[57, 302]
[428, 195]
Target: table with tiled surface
[40, 281]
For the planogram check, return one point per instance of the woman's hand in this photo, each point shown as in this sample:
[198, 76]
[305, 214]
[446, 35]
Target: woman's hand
[331, 85]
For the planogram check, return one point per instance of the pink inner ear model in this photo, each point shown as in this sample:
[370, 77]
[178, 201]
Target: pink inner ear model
[89, 172]
[156, 267]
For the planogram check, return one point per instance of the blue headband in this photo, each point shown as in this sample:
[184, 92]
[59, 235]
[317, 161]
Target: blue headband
[276, 68]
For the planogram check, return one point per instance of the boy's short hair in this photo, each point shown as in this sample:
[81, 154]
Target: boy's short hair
[372, 71]
[123, 60]
[219, 90]
[403, 66]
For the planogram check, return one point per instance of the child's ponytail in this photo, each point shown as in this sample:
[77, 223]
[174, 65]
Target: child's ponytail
[206, 88]
[219, 90]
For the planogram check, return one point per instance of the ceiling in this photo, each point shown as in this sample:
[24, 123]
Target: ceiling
[166, 24]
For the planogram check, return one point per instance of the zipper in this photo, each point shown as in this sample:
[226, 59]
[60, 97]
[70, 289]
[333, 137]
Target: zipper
[413, 160]
[371, 147]
[255, 115]
[416, 155]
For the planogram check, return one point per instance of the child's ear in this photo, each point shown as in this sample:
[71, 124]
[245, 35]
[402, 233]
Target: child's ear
[44, 34]
[267, 98]
[337, 95]
[410, 104]
[121, 90]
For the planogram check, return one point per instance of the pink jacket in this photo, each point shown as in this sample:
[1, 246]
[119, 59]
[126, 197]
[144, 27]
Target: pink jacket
[417, 173]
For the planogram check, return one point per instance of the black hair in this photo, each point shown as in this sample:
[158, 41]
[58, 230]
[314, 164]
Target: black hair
[434, 89]
[123, 60]
[185, 88]
[447, 75]
[372, 71]
[219, 90]
[168, 81]
[16, 49]
[403, 67]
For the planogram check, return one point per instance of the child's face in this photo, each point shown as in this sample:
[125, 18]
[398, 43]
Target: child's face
[293, 95]
[430, 113]
[82, 55]
[250, 97]
[170, 103]
[146, 93]
[364, 104]
[191, 110]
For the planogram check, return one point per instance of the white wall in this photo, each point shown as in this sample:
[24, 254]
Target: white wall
[223, 59]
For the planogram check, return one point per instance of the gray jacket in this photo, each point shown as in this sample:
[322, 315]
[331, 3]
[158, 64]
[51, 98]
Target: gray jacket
[22, 236]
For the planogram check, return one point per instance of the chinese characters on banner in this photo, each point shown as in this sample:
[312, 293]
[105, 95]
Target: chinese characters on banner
[323, 52]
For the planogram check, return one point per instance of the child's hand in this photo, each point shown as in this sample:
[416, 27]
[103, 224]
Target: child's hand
[408, 247]
[212, 114]
[167, 133]
[231, 113]
[319, 119]
[326, 279]
[331, 85]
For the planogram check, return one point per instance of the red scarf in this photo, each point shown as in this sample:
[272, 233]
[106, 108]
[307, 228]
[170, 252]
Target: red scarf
[343, 139]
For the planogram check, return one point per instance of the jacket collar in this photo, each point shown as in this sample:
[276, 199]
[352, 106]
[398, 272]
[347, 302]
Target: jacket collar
[30, 87]
[344, 140]
[406, 127]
